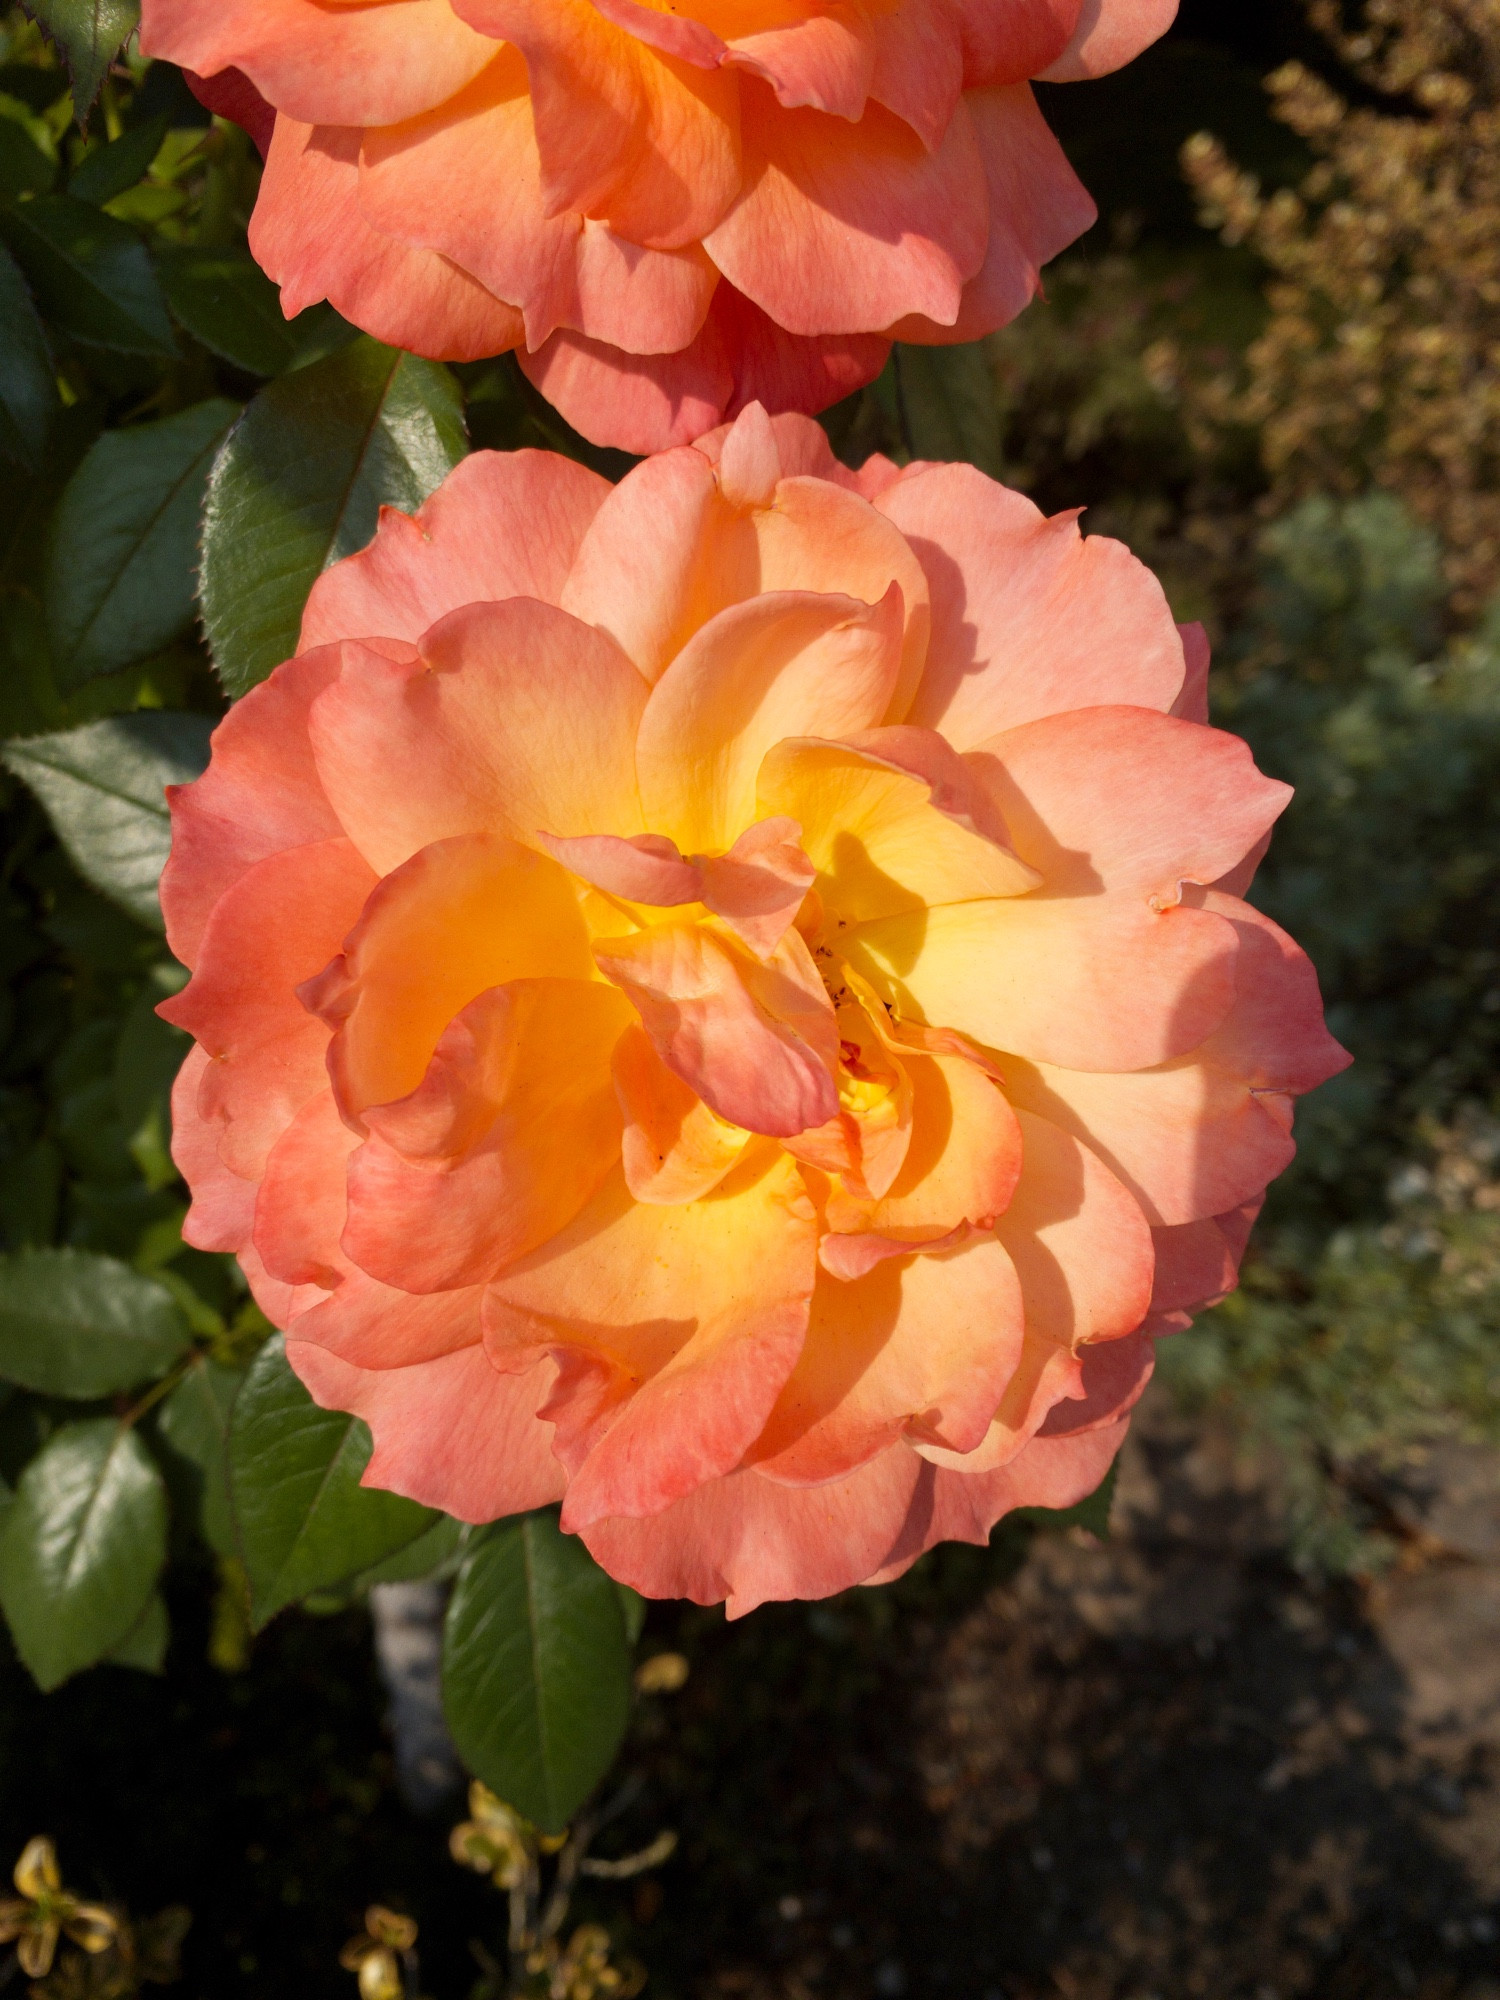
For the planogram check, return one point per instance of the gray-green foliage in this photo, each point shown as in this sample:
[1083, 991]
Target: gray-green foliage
[1370, 1311]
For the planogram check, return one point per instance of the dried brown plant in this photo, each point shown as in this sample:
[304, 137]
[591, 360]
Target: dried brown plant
[1380, 362]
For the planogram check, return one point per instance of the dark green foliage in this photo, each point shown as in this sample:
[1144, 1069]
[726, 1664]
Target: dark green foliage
[536, 1668]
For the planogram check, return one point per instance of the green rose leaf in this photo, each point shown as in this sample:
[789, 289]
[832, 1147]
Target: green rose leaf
[193, 1423]
[89, 34]
[123, 549]
[225, 301]
[144, 1646]
[119, 165]
[103, 787]
[952, 404]
[79, 1325]
[28, 383]
[301, 482]
[536, 1668]
[81, 1547]
[303, 1520]
[90, 274]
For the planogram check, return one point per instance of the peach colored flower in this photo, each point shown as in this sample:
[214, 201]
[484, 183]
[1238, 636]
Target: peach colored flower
[669, 210]
[725, 1001]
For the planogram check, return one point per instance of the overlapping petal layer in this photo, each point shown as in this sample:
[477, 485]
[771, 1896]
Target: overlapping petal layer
[671, 212]
[716, 1001]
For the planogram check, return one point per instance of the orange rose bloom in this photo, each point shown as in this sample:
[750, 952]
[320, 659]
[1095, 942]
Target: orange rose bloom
[670, 211]
[725, 1001]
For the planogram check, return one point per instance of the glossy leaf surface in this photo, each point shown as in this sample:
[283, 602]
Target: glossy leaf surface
[81, 1546]
[301, 482]
[303, 1521]
[536, 1668]
[103, 787]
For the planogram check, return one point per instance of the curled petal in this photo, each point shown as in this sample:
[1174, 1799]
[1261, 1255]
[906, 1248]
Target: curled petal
[1127, 799]
[277, 925]
[674, 1148]
[756, 1041]
[791, 663]
[509, 1132]
[260, 794]
[1037, 206]
[845, 228]
[307, 233]
[1109, 34]
[458, 918]
[641, 135]
[922, 1347]
[674, 1329]
[335, 65]
[875, 835]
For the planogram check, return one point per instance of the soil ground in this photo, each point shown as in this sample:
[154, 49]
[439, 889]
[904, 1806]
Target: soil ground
[1164, 1765]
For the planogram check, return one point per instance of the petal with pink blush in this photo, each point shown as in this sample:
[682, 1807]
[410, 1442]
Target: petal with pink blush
[299, 1212]
[451, 1432]
[1116, 1374]
[307, 234]
[675, 1329]
[626, 132]
[847, 228]
[459, 917]
[509, 1132]
[687, 553]
[1198, 1263]
[260, 794]
[757, 1042]
[788, 664]
[756, 888]
[650, 402]
[750, 1540]
[918, 69]
[222, 1214]
[825, 62]
[377, 1326]
[502, 524]
[465, 181]
[1007, 41]
[921, 1347]
[1078, 1240]
[1109, 34]
[1038, 206]
[1276, 1036]
[955, 1506]
[340, 65]
[1192, 703]
[516, 717]
[1028, 617]
[1188, 1139]
[230, 94]
[879, 843]
[802, 450]
[1127, 799]
[274, 927]
[675, 1149]
[1092, 982]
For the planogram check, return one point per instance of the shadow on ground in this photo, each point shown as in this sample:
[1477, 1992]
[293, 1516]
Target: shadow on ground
[1166, 1766]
